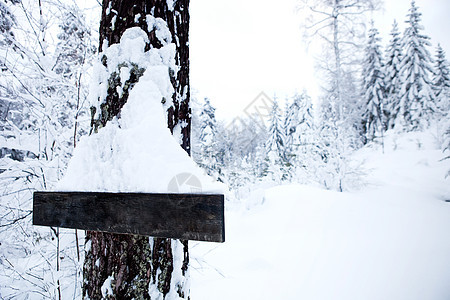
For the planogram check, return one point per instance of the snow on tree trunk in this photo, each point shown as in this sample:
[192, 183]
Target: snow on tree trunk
[127, 266]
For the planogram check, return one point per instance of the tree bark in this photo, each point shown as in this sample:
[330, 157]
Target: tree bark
[135, 262]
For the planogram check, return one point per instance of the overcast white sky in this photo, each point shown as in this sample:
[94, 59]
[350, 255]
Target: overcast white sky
[240, 48]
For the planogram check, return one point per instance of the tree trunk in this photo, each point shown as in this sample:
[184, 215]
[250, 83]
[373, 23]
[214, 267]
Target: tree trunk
[337, 57]
[133, 263]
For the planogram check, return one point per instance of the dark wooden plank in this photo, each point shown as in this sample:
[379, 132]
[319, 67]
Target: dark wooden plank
[179, 216]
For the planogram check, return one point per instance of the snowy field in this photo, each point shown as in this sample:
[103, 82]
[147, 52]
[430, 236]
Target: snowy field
[388, 240]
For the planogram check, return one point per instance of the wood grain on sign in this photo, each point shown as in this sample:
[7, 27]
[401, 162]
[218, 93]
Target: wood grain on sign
[180, 216]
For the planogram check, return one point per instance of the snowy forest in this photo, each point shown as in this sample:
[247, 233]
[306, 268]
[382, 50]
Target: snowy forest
[379, 128]
[369, 92]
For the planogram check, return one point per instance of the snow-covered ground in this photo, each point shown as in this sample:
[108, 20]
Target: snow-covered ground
[389, 240]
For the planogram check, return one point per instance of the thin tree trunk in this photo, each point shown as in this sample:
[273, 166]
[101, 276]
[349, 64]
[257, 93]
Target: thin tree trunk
[135, 262]
[337, 57]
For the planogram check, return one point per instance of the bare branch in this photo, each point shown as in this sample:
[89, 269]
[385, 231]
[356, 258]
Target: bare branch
[320, 12]
[16, 220]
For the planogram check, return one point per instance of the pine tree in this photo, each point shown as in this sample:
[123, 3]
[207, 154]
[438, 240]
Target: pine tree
[298, 128]
[441, 81]
[275, 143]
[208, 120]
[417, 96]
[67, 92]
[373, 87]
[207, 148]
[74, 44]
[393, 80]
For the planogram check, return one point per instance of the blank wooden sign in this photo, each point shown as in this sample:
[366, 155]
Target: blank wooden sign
[179, 216]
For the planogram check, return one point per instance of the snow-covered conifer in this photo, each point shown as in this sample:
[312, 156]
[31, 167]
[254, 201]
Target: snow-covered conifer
[298, 128]
[392, 77]
[275, 143]
[417, 95]
[74, 45]
[206, 152]
[373, 87]
[208, 123]
[68, 91]
[441, 81]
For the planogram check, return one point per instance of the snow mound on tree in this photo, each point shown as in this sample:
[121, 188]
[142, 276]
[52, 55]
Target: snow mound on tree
[136, 152]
